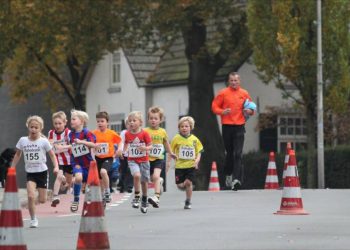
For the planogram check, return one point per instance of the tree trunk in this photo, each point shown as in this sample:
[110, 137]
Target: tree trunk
[201, 94]
[311, 149]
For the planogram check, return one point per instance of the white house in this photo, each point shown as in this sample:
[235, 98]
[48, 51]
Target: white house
[119, 84]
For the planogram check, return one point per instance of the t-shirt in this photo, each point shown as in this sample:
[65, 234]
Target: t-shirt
[34, 153]
[106, 140]
[186, 150]
[63, 155]
[134, 141]
[158, 137]
[81, 154]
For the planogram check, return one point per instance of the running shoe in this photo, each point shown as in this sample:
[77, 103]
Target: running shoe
[154, 201]
[74, 207]
[34, 223]
[144, 207]
[107, 197]
[188, 205]
[55, 201]
[135, 203]
[236, 184]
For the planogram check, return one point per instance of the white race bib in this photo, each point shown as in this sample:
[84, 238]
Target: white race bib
[33, 157]
[134, 152]
[79, 150]
[103, 149]
[187, 153]
[157, 150]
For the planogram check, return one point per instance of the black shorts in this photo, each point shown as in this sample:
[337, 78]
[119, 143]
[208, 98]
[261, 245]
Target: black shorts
[105, 163]
[66, 169]
[181, 174]
[159, 163]
[40, 178]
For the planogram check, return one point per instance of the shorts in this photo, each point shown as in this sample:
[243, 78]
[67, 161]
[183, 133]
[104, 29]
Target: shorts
[159, 163]
[105, 163]
[181, 174]
[83, 171]
[40, 178]
[142, 167]
[67, 169]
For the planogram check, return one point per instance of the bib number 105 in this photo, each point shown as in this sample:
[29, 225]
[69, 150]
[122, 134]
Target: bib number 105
[187, 153]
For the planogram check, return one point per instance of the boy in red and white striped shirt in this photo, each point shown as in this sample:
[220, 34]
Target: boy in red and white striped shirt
[59, 138]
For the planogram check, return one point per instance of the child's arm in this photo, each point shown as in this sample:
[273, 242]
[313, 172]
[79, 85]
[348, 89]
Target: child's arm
[54, 161]
[119, 151]
[196, 161]
[168, 161]
[125, 148]
[148, 147]
[86, 143]
[16, 158]
[168, 150]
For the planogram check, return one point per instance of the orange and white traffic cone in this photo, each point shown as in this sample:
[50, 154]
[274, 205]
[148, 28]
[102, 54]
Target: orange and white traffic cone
[271, 181]
[291, 203]
[93, 233]
[286, 159]
[214, 179]
[11, 223]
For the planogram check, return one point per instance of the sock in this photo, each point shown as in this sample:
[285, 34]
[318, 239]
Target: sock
[137, 194]
[107, 191]
[157, 195]
[188, 200]
[76, 188]
[144, 198]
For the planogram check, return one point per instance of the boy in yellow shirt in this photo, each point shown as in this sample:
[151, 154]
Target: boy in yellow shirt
[188, 149]
[160, 143]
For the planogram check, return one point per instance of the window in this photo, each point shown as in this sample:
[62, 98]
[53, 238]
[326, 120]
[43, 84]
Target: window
[116, 122]
[115, 68]
[292, 128]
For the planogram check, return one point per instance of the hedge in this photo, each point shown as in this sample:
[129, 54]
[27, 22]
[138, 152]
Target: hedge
[337, 168]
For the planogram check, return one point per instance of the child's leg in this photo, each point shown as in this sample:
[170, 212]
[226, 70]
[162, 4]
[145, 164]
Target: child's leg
[56, 187]
[78, 179]
[42, 195]
[31, 187]
[104, 180]
[188, 186]
[156, 181]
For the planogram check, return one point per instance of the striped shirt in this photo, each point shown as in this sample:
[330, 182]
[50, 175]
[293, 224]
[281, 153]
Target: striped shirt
[63, 156]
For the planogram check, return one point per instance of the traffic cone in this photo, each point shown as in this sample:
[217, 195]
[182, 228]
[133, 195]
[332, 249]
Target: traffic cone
[214, 180]
[291, 203]
[11, 223]
[93, 233]
[286, 159]
[271, 181]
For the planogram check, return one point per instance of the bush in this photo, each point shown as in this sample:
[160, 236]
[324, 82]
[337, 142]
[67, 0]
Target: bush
[337, 168]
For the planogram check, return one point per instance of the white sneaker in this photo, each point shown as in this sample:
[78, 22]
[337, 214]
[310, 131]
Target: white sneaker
[34, 223]
[228, 181]
[154, 201]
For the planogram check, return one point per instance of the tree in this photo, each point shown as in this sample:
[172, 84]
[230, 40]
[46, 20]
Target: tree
[213, 32]
[52, 45]
[283, 35]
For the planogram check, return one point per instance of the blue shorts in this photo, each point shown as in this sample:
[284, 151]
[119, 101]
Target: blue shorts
[82, 170]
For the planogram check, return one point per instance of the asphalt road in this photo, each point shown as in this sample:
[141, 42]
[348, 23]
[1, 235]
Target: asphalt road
[218, 220]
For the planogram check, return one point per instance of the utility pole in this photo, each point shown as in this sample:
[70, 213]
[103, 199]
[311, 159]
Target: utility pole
[320, 140]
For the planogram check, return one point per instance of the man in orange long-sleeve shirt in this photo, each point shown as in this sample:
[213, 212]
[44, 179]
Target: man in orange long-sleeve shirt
[229, 105]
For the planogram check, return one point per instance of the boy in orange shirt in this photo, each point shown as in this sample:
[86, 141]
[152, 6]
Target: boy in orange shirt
[105, 153]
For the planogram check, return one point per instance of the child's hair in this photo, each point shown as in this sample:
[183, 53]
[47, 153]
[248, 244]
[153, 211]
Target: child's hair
[135, 114]
[155, 110]
[83, 116]
[61, 115]
[188, 119]
[102, 114]
[36, 118]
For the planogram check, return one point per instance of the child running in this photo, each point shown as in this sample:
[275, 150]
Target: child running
[160, 142]
[82, 141]
[138, 143]
[188, 149]
[105, 153]
[59, 138]
[34, 148]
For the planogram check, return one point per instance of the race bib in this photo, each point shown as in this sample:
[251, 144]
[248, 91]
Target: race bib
[187, 153]
[33, 157]
[157, 150]
[79, 150]
[103, 149]
[134, 152]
